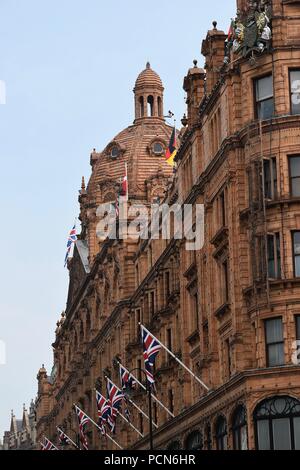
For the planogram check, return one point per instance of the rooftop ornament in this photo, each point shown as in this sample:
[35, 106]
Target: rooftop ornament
[250, 31]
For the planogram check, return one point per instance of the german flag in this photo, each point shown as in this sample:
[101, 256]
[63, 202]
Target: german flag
[171, 150]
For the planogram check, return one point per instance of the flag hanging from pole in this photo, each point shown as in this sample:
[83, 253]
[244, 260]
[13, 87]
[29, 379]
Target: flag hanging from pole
[151, 348]
[171, 150]
[71, 239]
[115, 398]
[127, 380]
[104, 413]
[83, 420]
[48, 445]
[64, 438]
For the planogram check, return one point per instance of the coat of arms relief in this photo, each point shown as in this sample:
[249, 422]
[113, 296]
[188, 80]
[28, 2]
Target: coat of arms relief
[250, 31]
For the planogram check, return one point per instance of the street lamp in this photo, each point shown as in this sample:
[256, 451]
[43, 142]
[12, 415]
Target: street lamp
[128, 391]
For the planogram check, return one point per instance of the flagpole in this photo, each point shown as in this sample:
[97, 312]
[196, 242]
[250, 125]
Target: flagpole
[153, 396]
[127, 420]
[178, 360]
[50, 443]
[95, 424]
[72, 442]
[130, 424]
[136, 406]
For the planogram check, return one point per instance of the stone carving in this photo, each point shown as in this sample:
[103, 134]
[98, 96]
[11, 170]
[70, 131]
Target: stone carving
[250, 31]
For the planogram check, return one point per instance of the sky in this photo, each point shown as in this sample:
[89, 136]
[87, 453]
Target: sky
[69, 67]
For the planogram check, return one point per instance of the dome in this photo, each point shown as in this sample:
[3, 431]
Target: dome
[148, 78]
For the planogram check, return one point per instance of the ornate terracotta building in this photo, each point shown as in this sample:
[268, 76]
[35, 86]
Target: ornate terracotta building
[231, 310]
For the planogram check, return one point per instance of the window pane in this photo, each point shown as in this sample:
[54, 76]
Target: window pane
[297, 243]
[297, 433]
[295, 91]
[274, 177]
[274, 330]
[265, 109]
[298, 327]
[263, 435]
[295, 187]
[297, 266]
[275, 355]
[294, 166]
[264, 88]
[267, 178]
[244, 439]
[281, 434]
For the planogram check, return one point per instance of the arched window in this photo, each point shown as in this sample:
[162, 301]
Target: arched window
[194, 441]
[150, 106]
[175, 445]
[221, 433]
[142, 109]
[159, 107]
[239, 429]
[277, 424]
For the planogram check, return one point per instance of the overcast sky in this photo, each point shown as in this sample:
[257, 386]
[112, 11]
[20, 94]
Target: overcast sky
[69, 67]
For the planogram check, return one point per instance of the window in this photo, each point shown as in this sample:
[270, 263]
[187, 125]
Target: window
[158, 149]
[295, 91]
[270, 178]
[297, 320]
[221, 433]
[194, 441]
[167, 284]
[294, 165]
[264, 97]
[196, 305]
[239, 429]
[274, 259]
[274, 342]
[277, 424]
[228, 358]
[175, 445]
[225, 281]
[152, 303]
[296, 253]
[222, 210]
[115, 152]
[142, 110]
[150, 106]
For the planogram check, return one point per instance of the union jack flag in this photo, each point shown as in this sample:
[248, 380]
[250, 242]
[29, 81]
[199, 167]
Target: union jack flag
[64, 438]
[104, 415]
[115, 398]
[71, 239]
[83, 420]
[127, 380]
[151, 348]
[48, 445]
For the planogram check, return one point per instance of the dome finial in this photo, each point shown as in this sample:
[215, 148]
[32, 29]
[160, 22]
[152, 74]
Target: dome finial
[148, 65]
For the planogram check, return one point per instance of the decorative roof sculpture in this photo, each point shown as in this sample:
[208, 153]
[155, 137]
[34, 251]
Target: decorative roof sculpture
[250, 31]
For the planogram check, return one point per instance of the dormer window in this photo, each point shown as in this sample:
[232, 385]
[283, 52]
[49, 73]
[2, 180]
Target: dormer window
[158, 148]
[114, 152]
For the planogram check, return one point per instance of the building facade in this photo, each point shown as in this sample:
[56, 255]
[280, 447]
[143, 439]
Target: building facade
[229, 310]
[22, 432]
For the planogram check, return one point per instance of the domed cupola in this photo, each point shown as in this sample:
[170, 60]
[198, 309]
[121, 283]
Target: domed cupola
[149, 94]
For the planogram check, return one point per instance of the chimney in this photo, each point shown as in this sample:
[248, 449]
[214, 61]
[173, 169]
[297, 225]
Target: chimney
[193, 85]
[213, 49]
